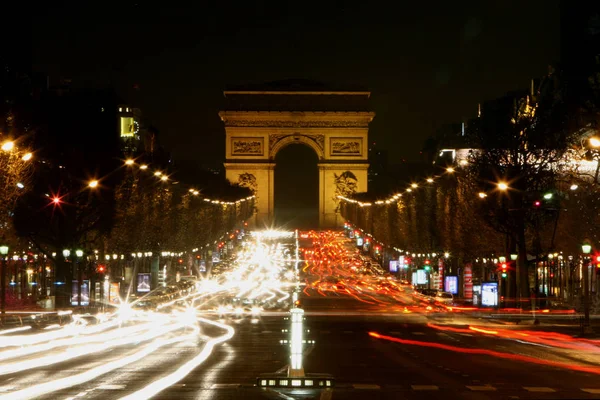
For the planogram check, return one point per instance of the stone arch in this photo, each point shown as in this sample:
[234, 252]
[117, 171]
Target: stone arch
[312, 141]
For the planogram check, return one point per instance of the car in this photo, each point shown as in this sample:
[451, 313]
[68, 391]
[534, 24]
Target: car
[444, 297]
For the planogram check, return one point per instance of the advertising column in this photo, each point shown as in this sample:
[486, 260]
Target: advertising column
[441, 274]
[468, 280]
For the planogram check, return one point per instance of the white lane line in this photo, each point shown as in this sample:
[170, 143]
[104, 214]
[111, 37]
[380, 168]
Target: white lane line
[424, 387]
[592, 391]
[395, 333]
[225, 385]
[367, 386]
[466, 334]
[418, 333]
[485, 388]
[267, 332]
[539, 389]
[111, 387]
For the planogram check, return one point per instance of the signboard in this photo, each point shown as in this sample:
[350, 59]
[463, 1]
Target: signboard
[351, 234]
[143, 282]
[451, 284]
[85, 293]
[359, 241]
[440, 273]
[489, 294]
[421, 277]
[202, 266]
[216, 258]
[414, 278]
[113, 296]
[393, 266]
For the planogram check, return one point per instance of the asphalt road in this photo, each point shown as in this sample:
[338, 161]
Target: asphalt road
[364, 367]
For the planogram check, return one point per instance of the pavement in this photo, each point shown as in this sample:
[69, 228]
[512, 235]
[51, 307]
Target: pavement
[364, 367]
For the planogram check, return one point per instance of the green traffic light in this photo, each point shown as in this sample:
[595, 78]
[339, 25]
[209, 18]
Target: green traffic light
[504, 274]
[427, 268]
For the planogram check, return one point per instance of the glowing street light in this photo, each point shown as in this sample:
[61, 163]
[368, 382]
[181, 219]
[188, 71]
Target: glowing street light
[93, 184]
[164, 178]
[8, 146]
[56, 200]
[143, 166]
[429, 180]
[548, 196]
[574, 187]
[594, 142]
[27, 156]
[129, 162]
[450, 170]
[502, 186]
[482, 195]
[157, 173]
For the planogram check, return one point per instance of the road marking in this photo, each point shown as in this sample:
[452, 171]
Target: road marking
[482, 388]
[424, 387]
[465, 334]
[365, 386]
[395, 333]
[418, 333]
[442, 334]
[225, 386]
[592, 391]
[539, 389]
[347, 332]
[267, 332]
[111, 387]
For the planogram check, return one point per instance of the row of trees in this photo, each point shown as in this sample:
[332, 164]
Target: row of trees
[79, 190]
[525, 187]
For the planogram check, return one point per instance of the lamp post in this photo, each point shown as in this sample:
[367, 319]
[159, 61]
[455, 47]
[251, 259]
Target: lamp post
[79, 254]
[586, 248]
[4, 253]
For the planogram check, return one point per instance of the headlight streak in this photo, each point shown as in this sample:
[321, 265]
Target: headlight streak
[78, 379]
[71, 352]
[163, 383]
[13, 330]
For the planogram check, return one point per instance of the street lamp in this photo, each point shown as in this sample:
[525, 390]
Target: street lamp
[66, 253]
[4, 253]
[8, 146]
[586, 248]
[502, 186]
[93, 184]
[594, 142]
[514, 256]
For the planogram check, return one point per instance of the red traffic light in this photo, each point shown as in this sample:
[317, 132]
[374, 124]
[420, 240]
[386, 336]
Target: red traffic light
[101, 269]
[427, 262]
[504, 266]
[537, 203]
[180, 261]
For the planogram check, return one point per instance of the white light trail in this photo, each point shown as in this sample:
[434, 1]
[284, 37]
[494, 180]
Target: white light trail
[163, 383]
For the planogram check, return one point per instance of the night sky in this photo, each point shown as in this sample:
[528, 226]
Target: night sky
[425, 64]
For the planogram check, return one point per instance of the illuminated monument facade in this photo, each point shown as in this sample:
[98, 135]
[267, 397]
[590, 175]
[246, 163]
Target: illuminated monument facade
[261, 120]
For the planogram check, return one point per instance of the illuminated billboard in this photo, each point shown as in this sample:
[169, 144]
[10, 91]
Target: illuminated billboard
[129, 127]
[489, 294]
[393, 266]
[451, 284]
[143, 282]
[421, 277]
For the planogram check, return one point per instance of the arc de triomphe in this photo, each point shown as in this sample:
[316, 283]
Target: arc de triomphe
[261, 120]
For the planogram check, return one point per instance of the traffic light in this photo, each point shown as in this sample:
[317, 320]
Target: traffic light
[504, 266]
[100, 269]
[180, 261]
[537, 203]
[598, 262]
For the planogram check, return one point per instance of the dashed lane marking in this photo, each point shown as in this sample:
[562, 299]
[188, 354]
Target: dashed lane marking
[424, 387]
[368, 386]
[112, 387]
[395, 333]
[465, 334]
[418, 333]
[267, 332]
[592, 391]
[225, 386]
[485, 388]
[539, 389]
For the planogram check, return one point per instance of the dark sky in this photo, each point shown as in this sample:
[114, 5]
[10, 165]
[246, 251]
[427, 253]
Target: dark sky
[427, 63]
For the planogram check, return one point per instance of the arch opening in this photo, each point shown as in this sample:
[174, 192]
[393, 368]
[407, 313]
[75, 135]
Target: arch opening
[296, 187]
